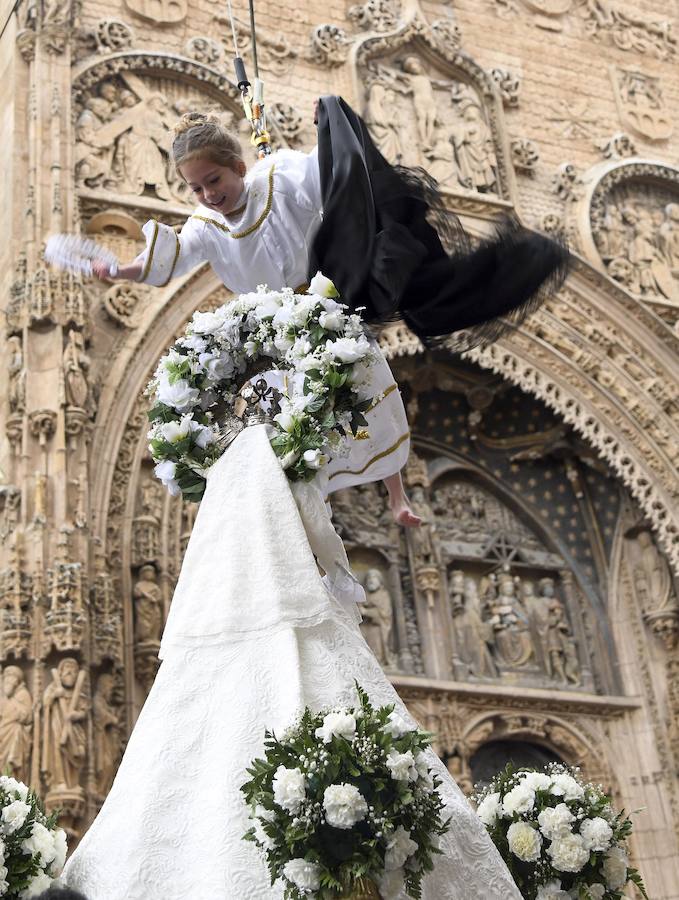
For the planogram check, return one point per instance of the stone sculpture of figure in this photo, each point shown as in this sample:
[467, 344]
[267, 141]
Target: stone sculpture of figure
[380, 116]
[537, 609]
[474, 150]
[76, 363]
[378, 617]
[420, 86]
[16, 724]
[473, 636]
[17, 375]
[143, 135]
[441, 158]
[64, 738]
[614, 235]
[653, 271]
[655, 573]
[424, 548]
[562, 657]
[93, 160]
[669, 236]
[106, 733]
[148, 606]
[512, 632]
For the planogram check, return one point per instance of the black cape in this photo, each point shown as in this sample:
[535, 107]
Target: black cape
[378, 245]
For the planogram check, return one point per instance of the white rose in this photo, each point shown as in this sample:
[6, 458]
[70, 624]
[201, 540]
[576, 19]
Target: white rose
[180, 395]
[36, 886]
[289, 789]
[401, 765]
[60, 850]
[314, 459]
[176, 431]
[399, 847]
[489, 809]
[341, 724]
[538, 781]
[552, 891]
[14, 816]
[165, 471]
[331, 321]
[525, 842]
[283, 316]
[519, 800]
[12, 786]
[40, 842]
[555, 821]
[202, 434]
[568, 853]
[303, 874]
[348, 350]
[566, 786]
[396, 725]
[322, 286]
[596, 833]
[615, 868]
[217, 366]
[268, 306]
[391, 884]
[301, 311]
[344, 805]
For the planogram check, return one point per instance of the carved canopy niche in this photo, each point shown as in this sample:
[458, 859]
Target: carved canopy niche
[631, 211]
[429, 104]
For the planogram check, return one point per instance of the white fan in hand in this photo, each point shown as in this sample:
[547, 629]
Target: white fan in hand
[76, 254]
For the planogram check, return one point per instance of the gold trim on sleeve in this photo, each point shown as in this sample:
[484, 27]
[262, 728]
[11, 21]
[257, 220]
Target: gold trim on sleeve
[380, 397]
[149, 258]
[174, 261]
[255, 225]
[378, 456]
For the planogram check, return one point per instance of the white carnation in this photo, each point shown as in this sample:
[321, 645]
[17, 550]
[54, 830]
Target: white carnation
[401, 765]
[36, 886]
[344, 805]
[555, 821]
[399, 847]
[615, 868]
[596, 891]
[520, 799]
[391, 884]
[396, 725]
[14, 816]
[348, 350]
[596, 833]
[552, 891]
[40, 842]
[489, 809]
[268, 306]
[322, 286]
[194, 342]
[205, 322]
[339, 724]
[568, 853]
[289, 789]
[525, 842]
[60, 850]
[564, 785]
[13, 787]
[303, 874]
[538, 781]
[331, 321]
[179, 395]
[302, 309]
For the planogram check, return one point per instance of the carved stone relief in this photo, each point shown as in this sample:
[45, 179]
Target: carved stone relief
[376, 15]
[161, 12]
[635, 225]
[329, 45]
[640, 102]
[525, 155]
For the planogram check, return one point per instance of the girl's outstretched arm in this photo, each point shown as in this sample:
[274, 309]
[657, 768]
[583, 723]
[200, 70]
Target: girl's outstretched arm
[398, 502]
[128, 272]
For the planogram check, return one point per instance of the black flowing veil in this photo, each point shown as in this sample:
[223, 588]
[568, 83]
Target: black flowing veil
[393, 249]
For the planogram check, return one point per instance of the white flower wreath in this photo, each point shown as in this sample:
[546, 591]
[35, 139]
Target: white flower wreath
[323, 351]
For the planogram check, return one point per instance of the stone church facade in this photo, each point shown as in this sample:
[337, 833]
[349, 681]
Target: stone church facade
[535, 614]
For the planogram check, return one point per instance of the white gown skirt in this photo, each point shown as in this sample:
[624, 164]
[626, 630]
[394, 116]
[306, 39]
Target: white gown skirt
[172, 824]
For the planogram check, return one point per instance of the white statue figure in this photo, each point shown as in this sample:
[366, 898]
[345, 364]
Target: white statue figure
[64, 734]
[378, 617]
[16, 723]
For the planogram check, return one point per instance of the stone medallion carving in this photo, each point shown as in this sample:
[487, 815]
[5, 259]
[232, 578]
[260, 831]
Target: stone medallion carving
[160, 12]
[640, 104]
[634, 218]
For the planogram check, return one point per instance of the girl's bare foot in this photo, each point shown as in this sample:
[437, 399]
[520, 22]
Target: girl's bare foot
[403, 514]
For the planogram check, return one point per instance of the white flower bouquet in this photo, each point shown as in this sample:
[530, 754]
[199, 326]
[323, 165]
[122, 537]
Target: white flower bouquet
[323, 352]
[32, 848]
[346, 795]
[560, 837]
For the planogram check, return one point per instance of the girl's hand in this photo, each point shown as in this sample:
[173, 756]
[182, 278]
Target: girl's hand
[102, 271]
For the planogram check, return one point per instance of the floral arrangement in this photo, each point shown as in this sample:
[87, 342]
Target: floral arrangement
[323, 352]
[344, 795]
[32, 848]
[560, 837]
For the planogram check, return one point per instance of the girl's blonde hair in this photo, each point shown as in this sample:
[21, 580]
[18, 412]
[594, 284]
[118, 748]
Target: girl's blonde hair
[204, 135]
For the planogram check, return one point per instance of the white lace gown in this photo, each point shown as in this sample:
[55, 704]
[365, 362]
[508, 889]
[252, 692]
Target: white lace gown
[254, 635]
